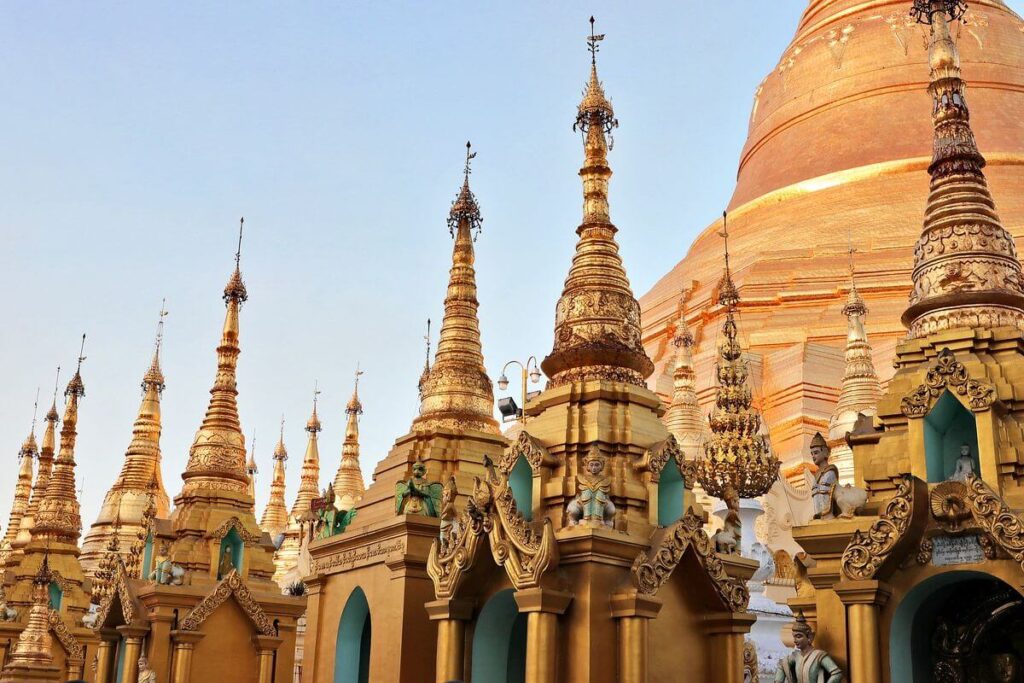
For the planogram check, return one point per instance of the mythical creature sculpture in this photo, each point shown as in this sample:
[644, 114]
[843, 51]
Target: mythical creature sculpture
[727, 539]
[417, 496]
[91, 618]
[592, 505]
[7, 613]
[146, 675]
[331, 521]
[807, 664]
[964, 464]
[165, 572]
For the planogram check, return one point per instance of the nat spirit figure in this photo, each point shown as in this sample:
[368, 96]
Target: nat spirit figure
[825, 481]
[807, 664]
[592, 505]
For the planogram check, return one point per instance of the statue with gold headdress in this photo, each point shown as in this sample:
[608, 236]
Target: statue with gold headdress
[807, 664]
[417, 496]
[592, 505]
[825, 480]
[146, 674]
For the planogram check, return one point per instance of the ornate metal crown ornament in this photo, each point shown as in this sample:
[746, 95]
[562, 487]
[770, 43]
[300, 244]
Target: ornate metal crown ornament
[923, 9]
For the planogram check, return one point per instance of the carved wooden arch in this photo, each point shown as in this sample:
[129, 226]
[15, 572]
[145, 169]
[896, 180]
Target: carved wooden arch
[516, 545]
[234, 523]
[652, 571]
[530, 448]
[1004, 526]
[231, 586]
[879, 551]
[658, 455]
[67, 640]
[948, 374]
[122, 591]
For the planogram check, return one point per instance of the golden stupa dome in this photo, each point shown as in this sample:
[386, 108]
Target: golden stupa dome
[838, 146]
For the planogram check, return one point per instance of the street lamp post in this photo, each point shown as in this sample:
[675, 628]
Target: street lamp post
[530, 370]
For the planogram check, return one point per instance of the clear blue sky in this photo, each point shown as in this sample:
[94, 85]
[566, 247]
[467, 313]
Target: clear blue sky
[134, 135]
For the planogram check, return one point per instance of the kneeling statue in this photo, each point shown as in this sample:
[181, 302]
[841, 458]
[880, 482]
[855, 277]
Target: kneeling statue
[593, 504]
[807, 664]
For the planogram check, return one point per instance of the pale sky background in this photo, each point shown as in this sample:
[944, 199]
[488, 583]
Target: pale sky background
[134, 135]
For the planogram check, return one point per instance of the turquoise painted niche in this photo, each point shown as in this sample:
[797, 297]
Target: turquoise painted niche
[352, 650]
[499, 641]
[232, 545]
[56, 595]
[147, 557]
[520, 479]
[947, 427]
[670, 494]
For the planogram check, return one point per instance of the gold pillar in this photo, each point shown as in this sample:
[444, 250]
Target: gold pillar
[132, 636]
[725, 631]
[633, 612]
[266, 646]
[863, 600]
[184, 646]
[451, 616]
[105, 658]
[75, 670]
[542, 607]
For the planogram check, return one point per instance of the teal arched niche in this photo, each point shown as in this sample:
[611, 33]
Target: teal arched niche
[232, 546]
[520, 479]
[670, 494]
[56, 595]
[947, 427]
[499, 641]
[352, 651]
[912, 623]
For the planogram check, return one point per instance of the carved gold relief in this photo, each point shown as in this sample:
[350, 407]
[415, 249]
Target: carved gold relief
[651, 572]
[866, 553]
[530, 448]
[231, 585]
[1003, 525]
[657, 456]
[75, 650]
[948, 373]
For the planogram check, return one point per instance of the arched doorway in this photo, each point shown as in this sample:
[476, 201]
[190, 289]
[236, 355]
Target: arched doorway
[499, 642]
[352, 651]
[961, 627]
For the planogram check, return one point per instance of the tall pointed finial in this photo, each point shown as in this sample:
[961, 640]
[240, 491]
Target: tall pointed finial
[56, 386]
[426, 338]
[316, 393]
[464, 208]
[238, 252]
[75, 386]
[160, 325]
[313, 424]
[235, 289]
[728, 295]
[35, 411]
[282, 428]
[592, 42]
[355, 406]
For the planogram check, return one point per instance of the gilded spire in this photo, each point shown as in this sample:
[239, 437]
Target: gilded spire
[861, 388]
[737, 462]
[128, 497]
[43, 471]
[966, 271]
[348, 482]
[217, 457]
[309, 479]
[457, 393]
[597, 320]
[275, 515]
[251, 470]
[22, 487]
[59, 516]
[425, 375]
[34, 643]
[683, 417]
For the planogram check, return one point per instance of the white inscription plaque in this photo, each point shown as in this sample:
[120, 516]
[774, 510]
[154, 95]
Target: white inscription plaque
[949, 550]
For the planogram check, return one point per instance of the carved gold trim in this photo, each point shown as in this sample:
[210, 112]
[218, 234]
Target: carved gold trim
[75, 650]
[119, 582]
[948, 373]
[451, 558]
[657, 456]
[650, 572]
[866, 553]
[234, 523]
[232, 585]
[530, 448]
[517, 545]
[1000, 523]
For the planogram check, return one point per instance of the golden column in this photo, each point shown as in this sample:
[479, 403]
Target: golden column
[184, 648]
[725, 631]
[105, 656]
[634, 613]
[542, 607]
[132, 637]
[266, 646]
[451, 616]
[863, 601]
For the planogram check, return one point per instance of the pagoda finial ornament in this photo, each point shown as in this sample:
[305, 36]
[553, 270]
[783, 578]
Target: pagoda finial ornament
[738, 462]
[425, 375]
[132, 491]
[683, 417]
[275, 515]
[59, 516]
[348, 482]
[251, 470]
[22, 487]
[43, 471]
[34, 646]
[597, 319]
[457, 393]
[861, 388]
[309, 479]
[216, 460]
[966, 272]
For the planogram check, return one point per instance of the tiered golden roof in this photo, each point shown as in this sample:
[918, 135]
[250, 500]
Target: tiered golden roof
[348, 482]
[966, 271]
[22, 492]
[738, 462]
[597, 319]
[861, 388]
[140, 480]
[275, 515]
[457, 393]
[43, 471]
